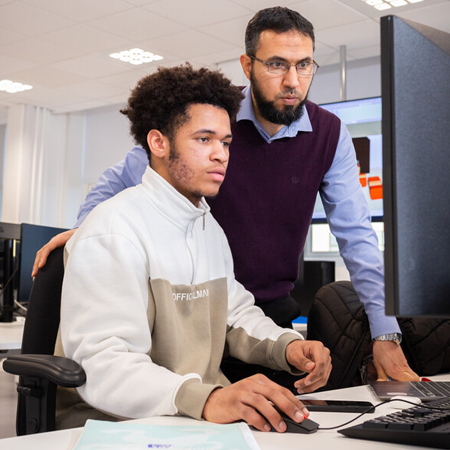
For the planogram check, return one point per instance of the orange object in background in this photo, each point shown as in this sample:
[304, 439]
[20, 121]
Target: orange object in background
[375, 188]
[363, 180]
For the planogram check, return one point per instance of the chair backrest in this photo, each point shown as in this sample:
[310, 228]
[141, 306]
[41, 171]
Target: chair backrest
[43, 315]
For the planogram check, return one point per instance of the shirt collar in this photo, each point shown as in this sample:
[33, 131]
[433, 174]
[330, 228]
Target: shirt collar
[246, 113]
[174, 205]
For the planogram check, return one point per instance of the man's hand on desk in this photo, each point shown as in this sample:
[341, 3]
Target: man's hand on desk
[57, 241]
[390, 361]
[311, 357]
[250, 400]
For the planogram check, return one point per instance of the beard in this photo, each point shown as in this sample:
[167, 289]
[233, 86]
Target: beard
[270, 112]
[180, 171]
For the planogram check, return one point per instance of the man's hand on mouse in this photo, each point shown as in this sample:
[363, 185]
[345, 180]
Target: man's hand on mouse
[252, 400]
[311, 357]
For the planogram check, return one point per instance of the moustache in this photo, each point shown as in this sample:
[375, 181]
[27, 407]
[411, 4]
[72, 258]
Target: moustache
[290, 93]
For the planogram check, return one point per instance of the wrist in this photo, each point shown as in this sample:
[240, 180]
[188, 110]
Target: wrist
[393, 337]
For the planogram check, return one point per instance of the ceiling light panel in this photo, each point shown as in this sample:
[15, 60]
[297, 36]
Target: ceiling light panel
[382, 5]
[12, 87]
[136, 56]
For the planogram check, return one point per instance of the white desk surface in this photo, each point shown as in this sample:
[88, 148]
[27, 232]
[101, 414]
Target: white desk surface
[11, 334]
[321, 440]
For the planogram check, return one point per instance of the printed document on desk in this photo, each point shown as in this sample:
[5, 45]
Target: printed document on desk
[99, 435]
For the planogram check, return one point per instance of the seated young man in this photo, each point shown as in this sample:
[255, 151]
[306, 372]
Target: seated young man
[150, 303]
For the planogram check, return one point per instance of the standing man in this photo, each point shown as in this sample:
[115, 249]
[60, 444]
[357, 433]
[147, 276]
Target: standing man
[149, 299]
[285, 150]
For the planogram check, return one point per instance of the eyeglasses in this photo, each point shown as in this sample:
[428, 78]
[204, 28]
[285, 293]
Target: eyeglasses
[304, 68]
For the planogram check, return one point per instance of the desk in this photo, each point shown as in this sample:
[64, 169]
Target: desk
[322, 440]
[11, 334]
[301, 328]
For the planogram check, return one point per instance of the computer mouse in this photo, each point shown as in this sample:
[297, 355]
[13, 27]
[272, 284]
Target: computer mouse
[400, 401]
[305, 426]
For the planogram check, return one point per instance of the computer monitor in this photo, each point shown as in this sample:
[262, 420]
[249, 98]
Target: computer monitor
[415, 65]
[19, 244]
[9, 251]
[363, 120]
[32, 238]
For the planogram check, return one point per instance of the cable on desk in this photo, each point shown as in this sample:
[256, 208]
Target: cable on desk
[379, 404]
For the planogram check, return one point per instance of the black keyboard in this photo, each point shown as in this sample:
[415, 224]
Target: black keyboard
[434, 389]
[412, 426]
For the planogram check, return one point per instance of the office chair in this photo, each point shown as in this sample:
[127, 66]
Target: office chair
[39, 371]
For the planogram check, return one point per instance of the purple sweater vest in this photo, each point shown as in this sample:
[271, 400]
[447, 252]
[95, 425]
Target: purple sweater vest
[266, 202]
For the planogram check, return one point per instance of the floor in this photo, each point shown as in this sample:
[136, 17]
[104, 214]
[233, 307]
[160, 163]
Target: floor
[8, 401]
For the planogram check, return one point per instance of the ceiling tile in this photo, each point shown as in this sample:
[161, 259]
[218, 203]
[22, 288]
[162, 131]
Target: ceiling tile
[205, 32]
[127, 80]
[232, 31]
[30, 21]
[197, 13]
[364, 52]
[331, 13]
[119, 100]
[85, 39]
[37, 51]
[47, 76]
[92, 67]
[7, 36]
[374, 13]
[140, 2]
[437, 16]
[80, 10]
[327, 59]
[354, 35]
[95, 89]
[216, 58]
[80, 106]
[50, 98]
[137, 24]
[256, 5]
[188, 44]
[11, 65]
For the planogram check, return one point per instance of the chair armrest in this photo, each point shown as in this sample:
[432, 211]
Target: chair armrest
[60, 371]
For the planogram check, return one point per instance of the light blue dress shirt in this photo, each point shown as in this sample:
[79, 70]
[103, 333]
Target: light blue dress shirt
[342, 196]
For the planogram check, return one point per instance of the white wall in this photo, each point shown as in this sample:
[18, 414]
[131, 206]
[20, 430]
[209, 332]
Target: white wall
[42, 165]
[107, 140]
[2, 155]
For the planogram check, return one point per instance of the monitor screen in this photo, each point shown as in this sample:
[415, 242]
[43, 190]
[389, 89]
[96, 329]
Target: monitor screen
[9, 256]
[19, 244]
[363, 120]
[415, 67]
[32, 238]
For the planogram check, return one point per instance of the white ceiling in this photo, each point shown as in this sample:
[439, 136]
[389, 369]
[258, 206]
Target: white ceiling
[62, 47]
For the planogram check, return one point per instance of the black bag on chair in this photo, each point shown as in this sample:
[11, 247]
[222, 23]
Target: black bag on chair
[337, 319]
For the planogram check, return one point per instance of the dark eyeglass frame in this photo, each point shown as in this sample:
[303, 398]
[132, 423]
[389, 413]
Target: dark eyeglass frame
[285, 67]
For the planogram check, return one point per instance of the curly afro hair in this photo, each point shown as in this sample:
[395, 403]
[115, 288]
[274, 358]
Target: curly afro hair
[160, 100]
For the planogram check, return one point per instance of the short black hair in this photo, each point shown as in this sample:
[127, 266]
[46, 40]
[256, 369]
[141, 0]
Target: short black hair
[278, 19]
[160, 101]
